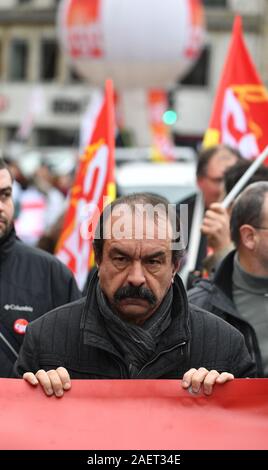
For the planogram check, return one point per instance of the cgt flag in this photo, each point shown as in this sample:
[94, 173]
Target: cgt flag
[239, 116]
[93, 187]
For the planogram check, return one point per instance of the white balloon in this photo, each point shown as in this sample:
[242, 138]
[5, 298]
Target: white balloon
[137, 43]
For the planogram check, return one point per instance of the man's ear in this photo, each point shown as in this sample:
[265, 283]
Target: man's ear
[248, 236]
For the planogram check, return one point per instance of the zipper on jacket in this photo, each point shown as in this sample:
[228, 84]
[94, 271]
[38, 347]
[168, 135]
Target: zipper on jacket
[161, 354]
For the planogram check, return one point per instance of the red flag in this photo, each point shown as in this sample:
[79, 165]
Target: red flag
[93, 187]
[239, 116]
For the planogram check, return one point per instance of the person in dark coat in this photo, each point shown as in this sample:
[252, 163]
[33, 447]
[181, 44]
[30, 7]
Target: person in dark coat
[216, 222]
[238, 293]
[212, 164]
[31, 281]
[135, 322]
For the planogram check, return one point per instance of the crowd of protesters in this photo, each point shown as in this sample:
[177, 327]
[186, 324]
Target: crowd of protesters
[134, 321]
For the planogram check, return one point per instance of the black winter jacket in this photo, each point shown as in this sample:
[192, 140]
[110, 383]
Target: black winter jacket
[75, 337]
[32, 282]
[216, 296]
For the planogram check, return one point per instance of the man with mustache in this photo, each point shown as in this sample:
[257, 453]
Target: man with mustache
[31, 281]
[135, 321]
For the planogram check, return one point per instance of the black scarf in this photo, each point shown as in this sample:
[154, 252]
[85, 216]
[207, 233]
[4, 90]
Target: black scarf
[137, 344]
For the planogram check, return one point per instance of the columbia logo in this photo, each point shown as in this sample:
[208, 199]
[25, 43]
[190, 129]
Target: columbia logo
[20, 308]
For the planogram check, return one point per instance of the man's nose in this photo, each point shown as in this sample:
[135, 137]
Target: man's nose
[136, 275]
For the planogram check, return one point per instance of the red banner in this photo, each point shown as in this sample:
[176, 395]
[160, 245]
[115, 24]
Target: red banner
[93, 183]
[239, 116]
[134, 414]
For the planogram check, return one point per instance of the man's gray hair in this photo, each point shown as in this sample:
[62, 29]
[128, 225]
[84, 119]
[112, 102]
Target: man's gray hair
[247, 209]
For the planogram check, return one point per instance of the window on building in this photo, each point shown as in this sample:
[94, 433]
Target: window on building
[18, 59]
[198, 75]
[215, 3]
[48, 63]
[56, 137]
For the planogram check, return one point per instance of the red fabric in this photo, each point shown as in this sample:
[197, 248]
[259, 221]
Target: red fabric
[93, 182]
[239, 115]
[134, 414]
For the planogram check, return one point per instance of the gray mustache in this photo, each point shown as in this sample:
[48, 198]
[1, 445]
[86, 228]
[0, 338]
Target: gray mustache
[135, 293]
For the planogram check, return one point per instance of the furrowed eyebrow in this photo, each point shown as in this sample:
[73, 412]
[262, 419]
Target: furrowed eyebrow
[157, 254]
[118, 251]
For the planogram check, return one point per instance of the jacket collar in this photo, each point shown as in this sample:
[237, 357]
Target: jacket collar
[224, 274]
[221, 285]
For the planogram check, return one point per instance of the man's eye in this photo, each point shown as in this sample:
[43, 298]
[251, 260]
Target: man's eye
[120, 259]
[154, 262]
[5, 196]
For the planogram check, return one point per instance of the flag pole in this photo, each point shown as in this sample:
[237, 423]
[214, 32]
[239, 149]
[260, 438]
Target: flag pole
[244, 179]
[194, 241]
[109, 91]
